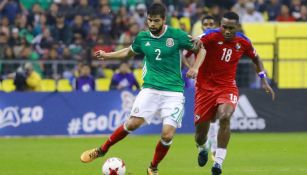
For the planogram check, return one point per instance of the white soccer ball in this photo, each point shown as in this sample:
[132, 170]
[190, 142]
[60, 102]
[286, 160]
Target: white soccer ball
[114, 166]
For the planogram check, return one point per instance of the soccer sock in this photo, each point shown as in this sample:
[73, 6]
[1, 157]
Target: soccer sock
[120, 133]
[203, 147]
[220, 155]
[160, 152]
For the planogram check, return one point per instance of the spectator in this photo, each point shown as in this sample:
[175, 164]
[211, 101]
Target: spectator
[106, 20]
[43, 42]
[65, 9]
[303, 15]
[295, 8]
[83, 9]
[9, 55]
[272, 9]
[52, 14]
[85, 82]
[240, 8]
[10, 8]
[33, 79]
[20, 80]
[140, 15]
[61, 32]
[251, 14]
[124, 78]
[78, 27]
[128, 37]
[285, 15]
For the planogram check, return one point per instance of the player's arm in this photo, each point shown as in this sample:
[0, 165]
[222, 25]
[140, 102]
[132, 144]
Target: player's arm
[120, 54]
[193, 71]
[185, 61]
[262, 75]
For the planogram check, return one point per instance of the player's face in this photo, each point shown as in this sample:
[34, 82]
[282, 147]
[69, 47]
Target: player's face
[155, 24]
[229, 28]
[208, 24]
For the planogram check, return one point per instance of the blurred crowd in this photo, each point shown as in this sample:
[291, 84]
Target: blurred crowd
[49, 30]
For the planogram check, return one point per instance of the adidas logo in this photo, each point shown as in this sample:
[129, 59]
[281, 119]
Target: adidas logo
[245, 116]
[147, 44]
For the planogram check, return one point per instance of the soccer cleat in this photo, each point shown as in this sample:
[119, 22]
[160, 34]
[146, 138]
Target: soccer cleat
[90, 155]
[152, 170]
[216, 169]
[202, 158]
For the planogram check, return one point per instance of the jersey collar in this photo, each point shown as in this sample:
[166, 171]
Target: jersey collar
[153, 36]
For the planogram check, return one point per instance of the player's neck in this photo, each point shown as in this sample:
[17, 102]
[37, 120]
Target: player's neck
[161, 32]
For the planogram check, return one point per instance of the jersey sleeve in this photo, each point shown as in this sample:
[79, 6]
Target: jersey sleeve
[136, 45]
[205, 39]
[184, 41]
[250, 51]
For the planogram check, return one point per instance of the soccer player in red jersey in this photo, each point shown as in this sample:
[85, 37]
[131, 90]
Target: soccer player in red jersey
[216, 94]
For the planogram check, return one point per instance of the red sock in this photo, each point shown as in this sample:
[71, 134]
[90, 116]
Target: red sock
[161, 151]
[116, 136]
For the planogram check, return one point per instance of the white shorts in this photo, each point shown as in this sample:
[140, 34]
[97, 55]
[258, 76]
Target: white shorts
[169, 106]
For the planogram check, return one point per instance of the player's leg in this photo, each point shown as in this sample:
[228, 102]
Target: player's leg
[162, 148]
[212, 137]
[120, 133]
[171, 111]
[201, 131]
[224, 113]
[143, 109]
[205, 108]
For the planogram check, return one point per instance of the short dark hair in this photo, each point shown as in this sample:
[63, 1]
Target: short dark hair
[207, 17]
[231, 16]
[157, 9]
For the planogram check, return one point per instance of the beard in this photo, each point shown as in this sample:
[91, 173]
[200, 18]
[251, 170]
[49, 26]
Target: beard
[156, 30]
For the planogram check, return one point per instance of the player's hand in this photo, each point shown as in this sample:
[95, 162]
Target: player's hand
[192, 73]
[197, 42]
[268, 88]
[100, 54]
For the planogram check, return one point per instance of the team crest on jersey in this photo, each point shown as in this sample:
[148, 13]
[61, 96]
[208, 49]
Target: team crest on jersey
[238, 46]
[169, 42]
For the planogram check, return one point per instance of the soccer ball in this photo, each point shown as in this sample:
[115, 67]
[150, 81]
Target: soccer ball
[114, 166]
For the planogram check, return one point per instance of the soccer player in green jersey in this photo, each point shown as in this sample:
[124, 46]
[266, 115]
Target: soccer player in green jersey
[162, 91]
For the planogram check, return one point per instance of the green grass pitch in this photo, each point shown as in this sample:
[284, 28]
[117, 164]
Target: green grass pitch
[248, 154]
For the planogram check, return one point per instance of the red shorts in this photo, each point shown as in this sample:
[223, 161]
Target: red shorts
[207, 101]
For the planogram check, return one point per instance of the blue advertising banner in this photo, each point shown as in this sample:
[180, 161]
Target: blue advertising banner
[78, 113]
[75, 113]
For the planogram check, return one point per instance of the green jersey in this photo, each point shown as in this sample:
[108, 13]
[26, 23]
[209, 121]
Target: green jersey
[162, 61]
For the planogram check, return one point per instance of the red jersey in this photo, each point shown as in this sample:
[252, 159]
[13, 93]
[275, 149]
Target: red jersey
[220, 64]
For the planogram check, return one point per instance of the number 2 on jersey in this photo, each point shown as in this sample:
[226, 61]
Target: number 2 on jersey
[226, 54]
[158, 55]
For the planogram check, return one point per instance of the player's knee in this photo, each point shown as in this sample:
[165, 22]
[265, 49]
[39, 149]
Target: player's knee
[133, 123]
[224, 115]
[131, 126]
[167, 137]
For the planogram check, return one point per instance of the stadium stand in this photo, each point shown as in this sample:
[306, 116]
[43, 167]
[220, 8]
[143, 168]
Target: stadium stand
[108, 73]
[63, 85]
[103, 84]
[48, 85]
[8, 85]
[138, 75]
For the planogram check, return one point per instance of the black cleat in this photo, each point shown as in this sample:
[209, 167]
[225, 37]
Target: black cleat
[202, 158]
[216, 169]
